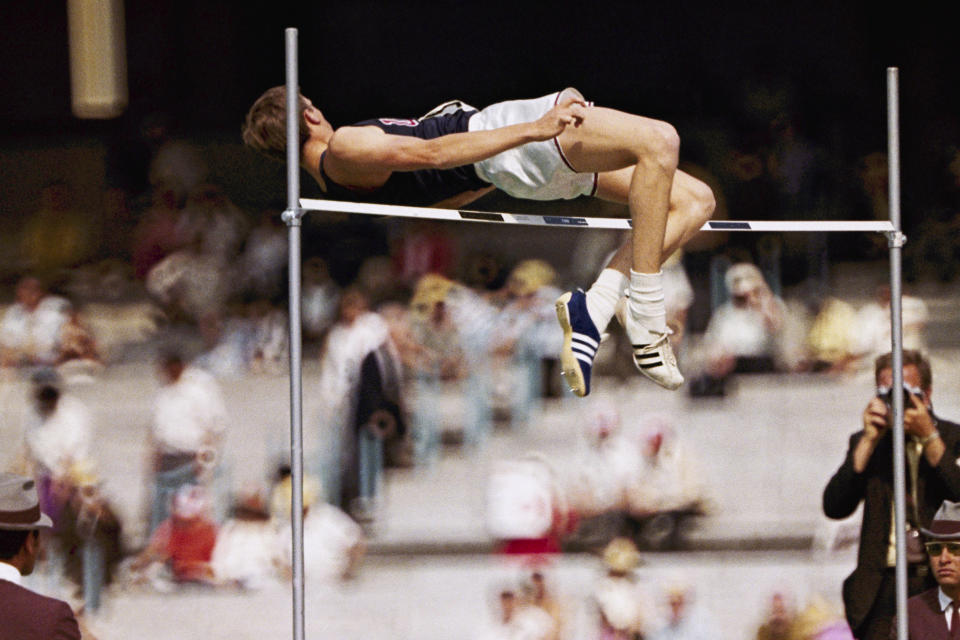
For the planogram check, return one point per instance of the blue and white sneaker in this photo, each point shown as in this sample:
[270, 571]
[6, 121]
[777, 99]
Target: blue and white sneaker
[580, 341]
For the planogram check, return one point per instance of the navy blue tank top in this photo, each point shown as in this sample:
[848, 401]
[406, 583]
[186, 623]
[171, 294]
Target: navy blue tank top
[423, 187]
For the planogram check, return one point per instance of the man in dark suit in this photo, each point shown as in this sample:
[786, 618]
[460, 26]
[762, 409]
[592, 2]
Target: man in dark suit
[26, 615]
[935, 613]
[932, 449]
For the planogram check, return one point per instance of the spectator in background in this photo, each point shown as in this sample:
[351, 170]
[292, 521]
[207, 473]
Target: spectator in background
[26, 615]
[189, 425]
[158, 233]
[221, 226]
[359, 376]
[320, 298]
[928, 612]
[58, 438]
[333, 543]
[264, 258]
[191, 284]
[537, 594]
[871, 334]
[931, 450]
[624, 604]
[517, 620]
[779, 619]
[747, 334]
[525, 341]
[683, 620]
[245, 554]
[58, 235]
[31, 328]
[182, 545]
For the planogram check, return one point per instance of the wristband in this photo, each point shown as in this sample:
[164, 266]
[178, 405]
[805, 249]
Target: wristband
[927, 439]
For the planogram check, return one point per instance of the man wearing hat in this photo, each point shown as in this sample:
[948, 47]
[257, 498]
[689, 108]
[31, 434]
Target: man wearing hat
[932, 451]
[935, 613]
[26, 615]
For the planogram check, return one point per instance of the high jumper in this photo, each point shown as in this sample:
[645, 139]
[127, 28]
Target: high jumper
[558, 146]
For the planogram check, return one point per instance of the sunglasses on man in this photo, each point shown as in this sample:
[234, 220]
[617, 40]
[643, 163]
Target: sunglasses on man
[934, 549]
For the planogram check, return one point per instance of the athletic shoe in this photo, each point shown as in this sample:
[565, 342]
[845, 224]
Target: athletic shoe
[657, 362]
[580, 341]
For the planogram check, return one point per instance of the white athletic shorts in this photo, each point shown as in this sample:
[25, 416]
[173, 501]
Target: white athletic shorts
[536, 170]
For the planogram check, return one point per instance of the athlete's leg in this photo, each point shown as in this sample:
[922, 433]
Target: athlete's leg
[637, 158]
[610, 140]
[691, 205]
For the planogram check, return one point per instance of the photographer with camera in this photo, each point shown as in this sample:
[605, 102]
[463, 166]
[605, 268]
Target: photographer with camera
[932, 450]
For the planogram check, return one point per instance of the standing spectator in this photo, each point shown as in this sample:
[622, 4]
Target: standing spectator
[189, 423]
[26, 615]
[359, 378]
[58, 439]
[932, 450]
[30, 329]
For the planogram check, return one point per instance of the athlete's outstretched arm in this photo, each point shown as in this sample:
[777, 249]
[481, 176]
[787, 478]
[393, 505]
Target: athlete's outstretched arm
[369, 150]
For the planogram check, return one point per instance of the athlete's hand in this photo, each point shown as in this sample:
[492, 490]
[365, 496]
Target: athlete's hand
[569, 111]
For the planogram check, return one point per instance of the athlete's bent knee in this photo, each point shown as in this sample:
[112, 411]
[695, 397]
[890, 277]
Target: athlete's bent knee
[706, 202]
[663, 146]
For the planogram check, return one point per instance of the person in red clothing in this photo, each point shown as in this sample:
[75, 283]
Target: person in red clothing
[184, 541]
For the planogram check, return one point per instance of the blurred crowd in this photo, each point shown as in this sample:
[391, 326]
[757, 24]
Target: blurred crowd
[418, 342]
[626, 601]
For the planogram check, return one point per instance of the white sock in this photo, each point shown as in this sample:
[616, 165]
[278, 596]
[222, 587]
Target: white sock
[603, 296]
[646, 303]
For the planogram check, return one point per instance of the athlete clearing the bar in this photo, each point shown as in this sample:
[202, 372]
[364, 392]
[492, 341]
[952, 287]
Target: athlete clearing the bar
[555, 147]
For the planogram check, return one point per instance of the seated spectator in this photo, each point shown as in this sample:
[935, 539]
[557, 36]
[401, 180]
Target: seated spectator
[779, 620]
[247, 548]
[683, 620]
[333, 543]
[623, 604]
[517, 620]
[830, 341]
[31, 328]
[183, 543]
[871, 337]
[746, 334]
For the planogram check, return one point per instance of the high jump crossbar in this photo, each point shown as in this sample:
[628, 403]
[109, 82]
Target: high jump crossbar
[296, 207]
[584, 222]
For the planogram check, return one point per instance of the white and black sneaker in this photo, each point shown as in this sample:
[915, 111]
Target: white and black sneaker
[656, 361]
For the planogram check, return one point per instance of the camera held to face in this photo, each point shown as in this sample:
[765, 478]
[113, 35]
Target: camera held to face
[886, 394]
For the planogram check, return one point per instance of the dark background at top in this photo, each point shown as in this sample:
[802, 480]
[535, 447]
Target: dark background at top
[689, 62]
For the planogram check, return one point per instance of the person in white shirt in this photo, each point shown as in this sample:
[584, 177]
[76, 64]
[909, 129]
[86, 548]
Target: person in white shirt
[30, 328]
[189, 424]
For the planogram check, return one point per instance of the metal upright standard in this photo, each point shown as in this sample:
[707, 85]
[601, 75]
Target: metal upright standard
[896, 240]
[292, 217]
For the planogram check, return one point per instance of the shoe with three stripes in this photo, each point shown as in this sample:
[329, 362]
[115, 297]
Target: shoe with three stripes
[657, 362]
[580, 341]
